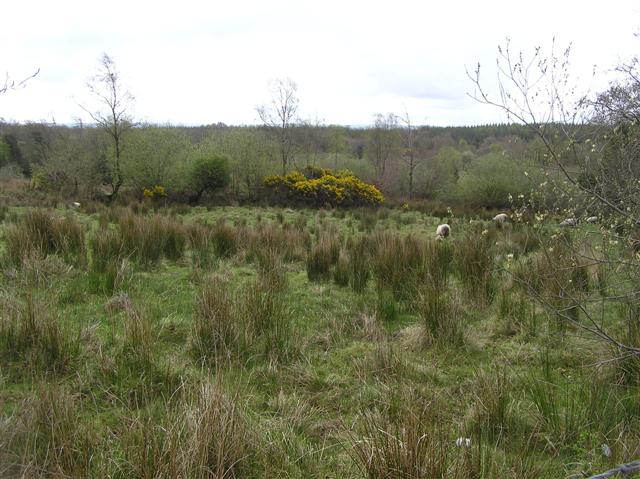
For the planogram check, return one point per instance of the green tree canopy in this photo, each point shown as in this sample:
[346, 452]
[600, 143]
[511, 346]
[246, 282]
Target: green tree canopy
[208, 173]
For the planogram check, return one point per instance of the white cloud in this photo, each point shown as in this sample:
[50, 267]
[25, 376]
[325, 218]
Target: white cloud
[200, 62]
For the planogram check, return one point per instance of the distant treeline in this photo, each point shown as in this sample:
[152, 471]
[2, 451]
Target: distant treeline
[483, 165]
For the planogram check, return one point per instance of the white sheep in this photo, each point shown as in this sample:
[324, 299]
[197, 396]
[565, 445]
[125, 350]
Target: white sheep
[443, 231]
[75, 205]
[572, 222]
[592, 219]
[501, 218]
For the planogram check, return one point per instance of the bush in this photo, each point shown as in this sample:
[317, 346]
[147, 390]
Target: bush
[319, 187]
[489, 181]
[209, 173]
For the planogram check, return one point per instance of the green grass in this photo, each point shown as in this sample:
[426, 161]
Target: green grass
[265, 342]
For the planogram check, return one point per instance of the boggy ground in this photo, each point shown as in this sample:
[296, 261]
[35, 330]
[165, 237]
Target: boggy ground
[263, 342]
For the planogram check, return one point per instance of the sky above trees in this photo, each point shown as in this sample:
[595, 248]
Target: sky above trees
[195, 63]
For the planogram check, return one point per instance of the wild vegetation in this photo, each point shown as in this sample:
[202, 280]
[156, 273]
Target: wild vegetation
[152, 327]
[266, 342]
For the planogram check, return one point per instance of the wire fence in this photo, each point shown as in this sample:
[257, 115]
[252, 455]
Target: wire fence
[623, 470]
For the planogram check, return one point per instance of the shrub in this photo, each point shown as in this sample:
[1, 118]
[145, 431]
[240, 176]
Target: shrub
[491, 179]
[209, 173]
[319, 187]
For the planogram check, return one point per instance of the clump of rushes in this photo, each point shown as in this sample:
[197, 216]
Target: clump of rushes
[474, 263]
[38, 233]
[341, 272]
[138, 339]
[321, 257]
[148, 239]
[107, 248]
[441, 315]
[386, 306]
[32, 333]
[272, 274]
[399, 265]
[47, 438]
[291, 243]
[201, 434]
[225, 239]
[200, 241]
[214, 326]
[411, 446]
[438, 262]
[492, 413]
[359, 269]
[266, 321]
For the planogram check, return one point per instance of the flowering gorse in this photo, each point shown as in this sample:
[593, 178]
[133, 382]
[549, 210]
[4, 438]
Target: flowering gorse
[319, 186]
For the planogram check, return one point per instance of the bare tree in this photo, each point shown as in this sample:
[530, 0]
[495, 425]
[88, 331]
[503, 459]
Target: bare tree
[410, 155]
[383, 143]
[114, 117]
[310, 139]
[337, 142]
[15, 85]
[280, 115]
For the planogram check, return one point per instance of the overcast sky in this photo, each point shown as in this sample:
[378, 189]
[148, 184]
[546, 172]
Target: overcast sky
[189, 62]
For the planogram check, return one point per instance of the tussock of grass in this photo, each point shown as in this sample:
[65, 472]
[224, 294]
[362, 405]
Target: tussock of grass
[34, 335]
[413, 446]
[442, 315]
[321, 258]
[214, 326]
[47, 439]
[39, 233]
[474, 264]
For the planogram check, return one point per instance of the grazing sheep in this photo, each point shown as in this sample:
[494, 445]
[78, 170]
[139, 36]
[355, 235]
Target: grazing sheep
[443, 231]
[572, 222]
[75, 205]
[592, 219]
[501, 218]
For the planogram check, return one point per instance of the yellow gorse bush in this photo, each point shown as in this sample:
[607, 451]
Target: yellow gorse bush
[320, 186]
[156, 191]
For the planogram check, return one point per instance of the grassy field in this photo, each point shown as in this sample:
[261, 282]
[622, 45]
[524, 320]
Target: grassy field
[264, 342]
